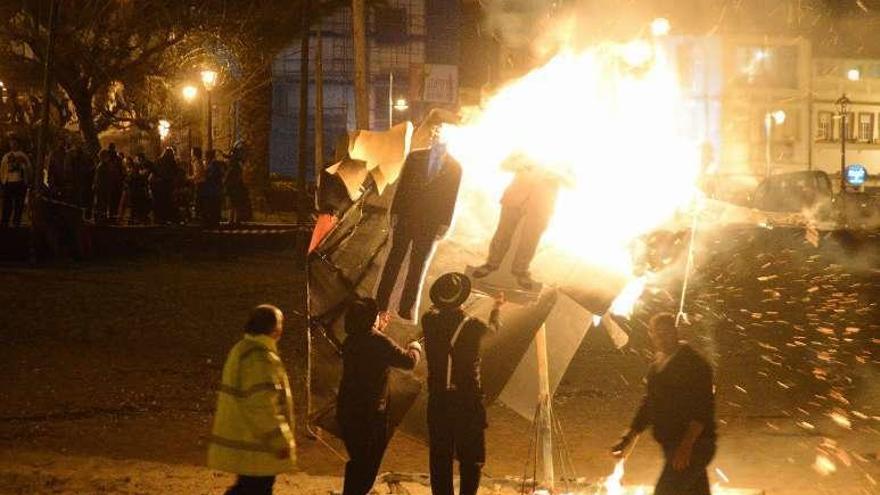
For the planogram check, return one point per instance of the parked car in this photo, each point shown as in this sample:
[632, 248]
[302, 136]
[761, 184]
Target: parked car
[811, 193]
[796, 192]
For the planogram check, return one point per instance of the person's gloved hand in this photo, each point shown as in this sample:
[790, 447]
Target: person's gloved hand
[621, 446]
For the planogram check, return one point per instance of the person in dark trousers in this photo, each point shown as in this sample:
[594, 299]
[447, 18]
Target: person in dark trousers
[529, 200]
[162, 187]
[680, 405]
[362, 405]
[421, 214]
[456, 414]
[59, 179]
[236, 190]
[109, 181]
[138, 188]
[15, 169]
[211, 191]
[83, 169]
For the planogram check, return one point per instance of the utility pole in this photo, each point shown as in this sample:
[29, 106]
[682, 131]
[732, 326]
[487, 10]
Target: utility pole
[302, 134]
[319, 102]
[391, 99]
[359, 40]
[842, 102]
[49, 60]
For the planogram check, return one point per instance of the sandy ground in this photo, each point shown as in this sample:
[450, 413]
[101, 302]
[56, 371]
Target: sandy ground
[110, 369]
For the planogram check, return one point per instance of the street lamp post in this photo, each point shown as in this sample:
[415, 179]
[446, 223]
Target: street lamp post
[770, 119]
[843, 102]
[209, 80]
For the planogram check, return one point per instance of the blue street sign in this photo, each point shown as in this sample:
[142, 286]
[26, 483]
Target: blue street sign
[856, 175]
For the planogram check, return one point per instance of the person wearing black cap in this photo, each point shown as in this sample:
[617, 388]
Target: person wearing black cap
[361, 407]
[456, 415]
[421, 214]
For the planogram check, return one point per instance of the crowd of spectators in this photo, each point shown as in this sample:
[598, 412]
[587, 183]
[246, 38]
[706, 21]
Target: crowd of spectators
[113, 188]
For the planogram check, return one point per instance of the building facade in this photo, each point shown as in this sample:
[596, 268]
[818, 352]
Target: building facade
[408, 42]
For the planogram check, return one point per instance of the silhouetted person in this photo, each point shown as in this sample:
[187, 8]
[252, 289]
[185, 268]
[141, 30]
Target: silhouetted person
[109, 181]
[15, 169]
[83, 170]
[162, 187]
[236, 190]
[212, 190]
[138, 186]
[58, 174]
[361, 408]
[421, 214]
[456, 414]
[680, 406]
[197, 171]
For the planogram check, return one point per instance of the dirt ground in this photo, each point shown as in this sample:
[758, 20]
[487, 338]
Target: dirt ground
[110, 370]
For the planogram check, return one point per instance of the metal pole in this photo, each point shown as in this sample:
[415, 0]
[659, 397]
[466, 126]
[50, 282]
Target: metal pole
[303, 130]
[390, 99]
[47, 90]
[319, 102]
[843, 138]
[209, 122]
[545, 401]
[361, 88]
[768, 131]
[843, 101]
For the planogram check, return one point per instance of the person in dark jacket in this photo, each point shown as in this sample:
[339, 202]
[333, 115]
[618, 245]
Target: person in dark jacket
[138, 191]
[236, 190]
[456, 414]
[82, 168]
[362, 405]
[109, 179]
[162, 187]
[680, 406]
[211, 190]
[421, 214]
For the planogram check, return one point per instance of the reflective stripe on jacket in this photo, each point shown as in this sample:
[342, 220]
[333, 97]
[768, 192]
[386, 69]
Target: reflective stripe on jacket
[254, 415]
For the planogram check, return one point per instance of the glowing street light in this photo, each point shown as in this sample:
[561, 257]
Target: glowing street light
[209, 79]
[853, 74]
[164, 129]
[660, 26]
[189, 93]
[778, 117]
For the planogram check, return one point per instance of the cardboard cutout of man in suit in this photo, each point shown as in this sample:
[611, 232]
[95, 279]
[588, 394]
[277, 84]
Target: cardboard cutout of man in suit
[421, 214]
[529, 200]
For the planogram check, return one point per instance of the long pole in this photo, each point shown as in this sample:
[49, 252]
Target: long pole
[843, 101]
[768, 130]
[390, 99]
[209, 122]
[47, 90]
[319, 102]
[302, 132]
[544, 401]
[303, 343]
[361, 88]
[843, 137]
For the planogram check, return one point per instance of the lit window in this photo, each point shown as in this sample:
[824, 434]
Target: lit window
[866, 127]
[825, 127]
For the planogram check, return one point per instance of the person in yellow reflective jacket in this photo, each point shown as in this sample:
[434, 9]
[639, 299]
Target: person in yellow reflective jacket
[252, 435]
